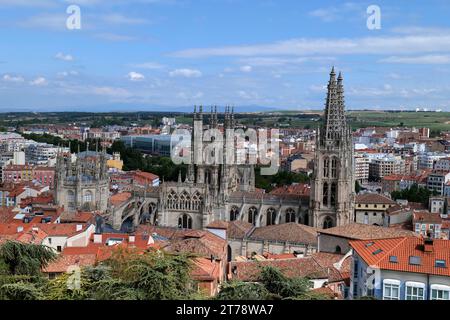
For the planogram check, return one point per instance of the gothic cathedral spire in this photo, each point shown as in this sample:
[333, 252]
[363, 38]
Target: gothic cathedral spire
[332, 187]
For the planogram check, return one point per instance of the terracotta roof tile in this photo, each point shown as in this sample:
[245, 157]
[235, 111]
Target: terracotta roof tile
[373, 198]
[360, 231]
[298, 267]
[291, 232]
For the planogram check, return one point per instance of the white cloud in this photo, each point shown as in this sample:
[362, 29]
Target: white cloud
[426, 59]
[246, 68]
[337, 13]
[46, 21]
[114, 37]
[111, 91]
[409, 44]
[11, 78]
[148, 65]
[119, 19]
[135, 76]
[39, 82]
[247, 95]
[27, 3]
[187, 73]
[64, 57]
[64, 74]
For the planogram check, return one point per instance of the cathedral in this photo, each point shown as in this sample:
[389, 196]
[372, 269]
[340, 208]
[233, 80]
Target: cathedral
[225, 190]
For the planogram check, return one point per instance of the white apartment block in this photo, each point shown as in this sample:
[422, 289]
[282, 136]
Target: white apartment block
[379, 168]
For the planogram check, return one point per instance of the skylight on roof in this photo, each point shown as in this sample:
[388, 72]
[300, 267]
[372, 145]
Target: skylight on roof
[369, 244]
[393, 259]
[414, 260]
[440, 263]
[377, 251]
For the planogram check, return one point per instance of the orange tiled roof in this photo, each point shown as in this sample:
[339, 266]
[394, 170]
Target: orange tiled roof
[426, 217]
[373, 198]
[146, 175]
[61, 229]
[359, 231]
[300, 189]
[63, 262]
[291, 232]
[297, 267]
[403, 249]
[119, 198]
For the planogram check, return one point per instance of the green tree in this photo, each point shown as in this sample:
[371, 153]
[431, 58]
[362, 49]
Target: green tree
[25, 259]
[414, 194]
[238, 290]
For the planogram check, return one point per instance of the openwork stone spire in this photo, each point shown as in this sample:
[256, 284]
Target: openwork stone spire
[334, 129]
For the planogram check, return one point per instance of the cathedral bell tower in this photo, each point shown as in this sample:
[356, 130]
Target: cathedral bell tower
[333, 184]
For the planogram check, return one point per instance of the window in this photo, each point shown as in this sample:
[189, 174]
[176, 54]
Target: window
[440, 263]
[59, 248]
[327, 223]
[185, 222]
[393, 259]
[271, 216]
[88, 197]
[234, 212]
[415, 290]
[290, 215]
[440, 292]
[391, 289]
[252, 214]
[414, 260]
[370, 244]
[377, 252]
[325, 194]
[355, 269]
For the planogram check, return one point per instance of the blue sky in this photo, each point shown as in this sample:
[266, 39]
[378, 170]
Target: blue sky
[172, 54]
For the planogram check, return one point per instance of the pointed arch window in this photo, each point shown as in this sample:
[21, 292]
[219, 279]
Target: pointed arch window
[327, 223]
[252, 213]
[290, 215]
[185, 222]
[271, 216]
[334, 163]
[326, 167]
[234, 212]
[333, 194]
[196, 201]
[325, 194]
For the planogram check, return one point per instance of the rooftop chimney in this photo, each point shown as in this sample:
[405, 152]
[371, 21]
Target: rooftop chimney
[131, 238]
[79, 227]
[19, 229]
[428, 245]
[97, 238]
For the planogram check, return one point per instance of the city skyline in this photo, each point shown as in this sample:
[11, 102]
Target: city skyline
[167, 55]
